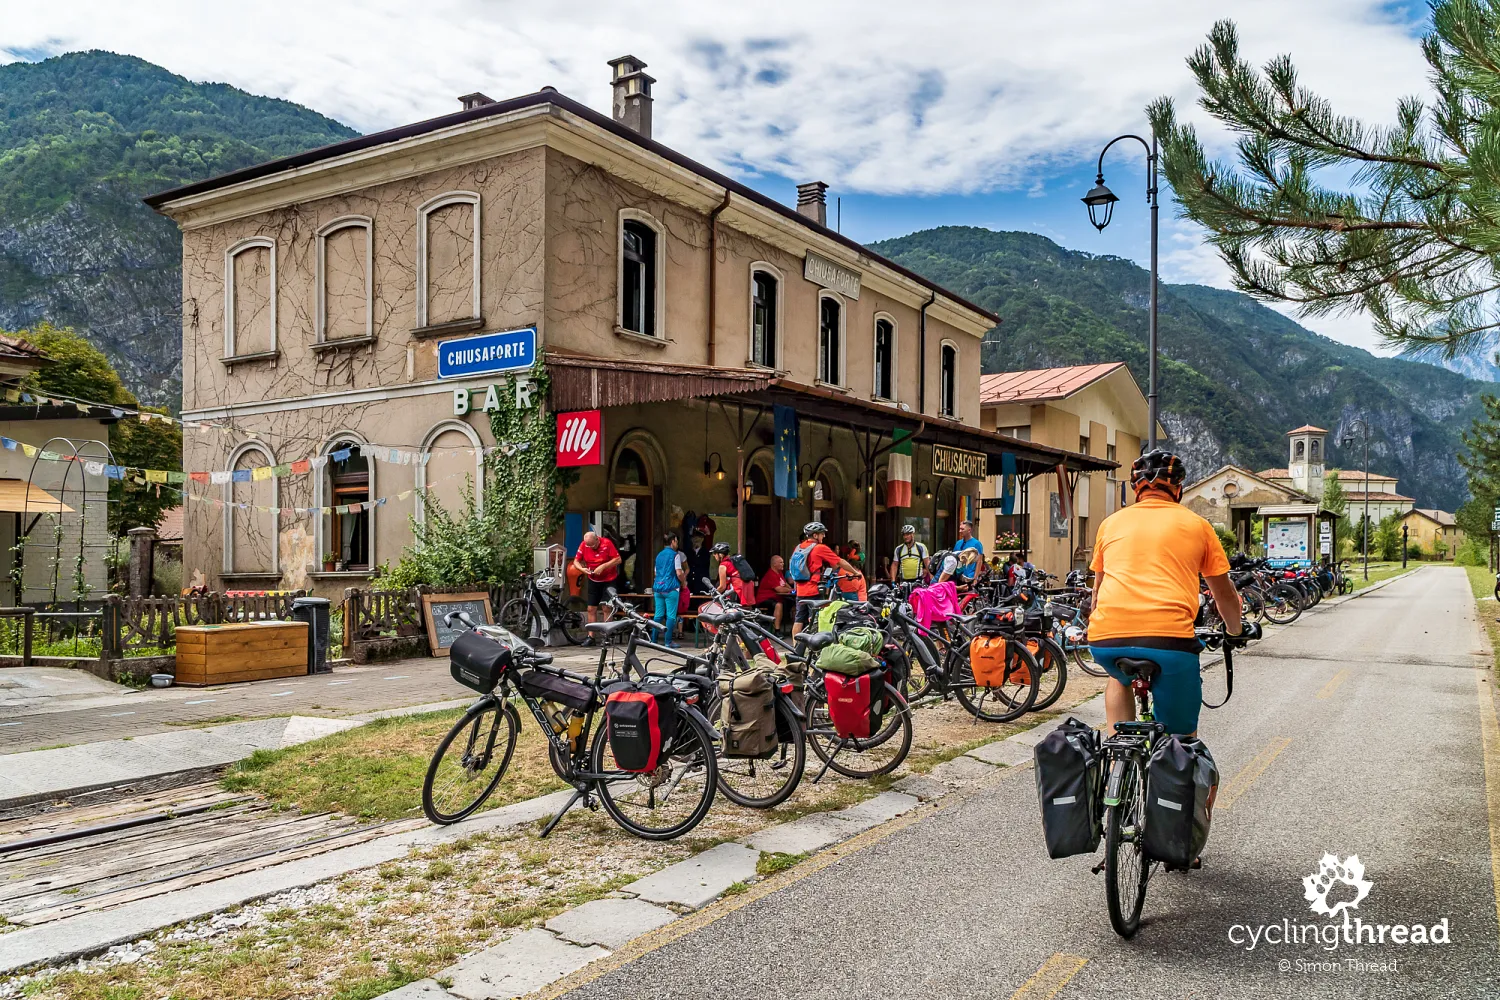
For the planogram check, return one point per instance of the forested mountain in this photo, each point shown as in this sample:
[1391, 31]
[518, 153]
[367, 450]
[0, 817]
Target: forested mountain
[1235, 375]
[83, 137]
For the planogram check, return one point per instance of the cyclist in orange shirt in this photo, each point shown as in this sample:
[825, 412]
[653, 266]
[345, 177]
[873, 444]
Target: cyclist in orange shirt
[1147, 561]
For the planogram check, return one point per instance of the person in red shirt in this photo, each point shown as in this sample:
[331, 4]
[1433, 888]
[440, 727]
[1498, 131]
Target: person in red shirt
[599, 560]
[820, 558]
[774, 594]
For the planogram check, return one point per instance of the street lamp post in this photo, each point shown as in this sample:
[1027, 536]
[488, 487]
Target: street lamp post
[1347, 440]
[1101, 202]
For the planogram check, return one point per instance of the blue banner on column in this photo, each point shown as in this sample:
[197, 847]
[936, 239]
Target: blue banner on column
[1007, 484]
[786, 453]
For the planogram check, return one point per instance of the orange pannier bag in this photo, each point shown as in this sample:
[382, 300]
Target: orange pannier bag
[987, 656]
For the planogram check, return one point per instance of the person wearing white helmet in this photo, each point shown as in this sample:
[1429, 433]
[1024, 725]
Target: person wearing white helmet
[910, 562]
[811, 560]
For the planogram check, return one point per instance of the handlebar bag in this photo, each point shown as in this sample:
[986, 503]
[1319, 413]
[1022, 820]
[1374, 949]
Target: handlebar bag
[641, 719]
[987, 658]
[477, 661]
[1182, 781]
[747, 714]
[548, 686]
[855, 704]
[838, 658]
[1069, 788]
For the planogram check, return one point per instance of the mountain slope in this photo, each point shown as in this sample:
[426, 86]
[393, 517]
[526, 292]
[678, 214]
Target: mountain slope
[83, 137]
[1235, 375]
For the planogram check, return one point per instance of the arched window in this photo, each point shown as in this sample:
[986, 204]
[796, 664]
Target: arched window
[1298, 450]
[345, 279]
[630, 469]
[348, 479]
[948, 380]
[453, 460]
[448, 255]
[1315, 450]
[885, 358]
[250, 513]
[250, 298]
[641, 267]
[830, 339]
[764, 304]
[759, 483]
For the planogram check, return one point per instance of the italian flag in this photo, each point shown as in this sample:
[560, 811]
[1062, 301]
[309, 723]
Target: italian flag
[898, 475]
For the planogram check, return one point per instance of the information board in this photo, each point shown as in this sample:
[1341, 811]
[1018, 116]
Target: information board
[1286, 540]
[435, 607]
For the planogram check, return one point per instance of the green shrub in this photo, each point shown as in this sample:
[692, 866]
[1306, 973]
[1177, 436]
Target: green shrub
[1472, 553]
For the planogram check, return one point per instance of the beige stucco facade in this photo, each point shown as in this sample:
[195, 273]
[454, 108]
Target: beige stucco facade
[315, 299]
[1426, 528]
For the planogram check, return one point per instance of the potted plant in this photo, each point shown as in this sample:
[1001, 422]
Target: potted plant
[1007, 541]
[330, 560]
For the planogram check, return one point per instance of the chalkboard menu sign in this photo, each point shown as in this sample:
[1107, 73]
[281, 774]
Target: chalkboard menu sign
[436, 607]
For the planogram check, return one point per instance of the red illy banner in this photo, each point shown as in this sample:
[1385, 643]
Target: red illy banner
[580, 438]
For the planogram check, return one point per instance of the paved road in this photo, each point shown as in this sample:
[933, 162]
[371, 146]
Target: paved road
[1357, 731]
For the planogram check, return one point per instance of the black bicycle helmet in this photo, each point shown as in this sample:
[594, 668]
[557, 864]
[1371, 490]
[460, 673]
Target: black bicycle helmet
[1161, 469]
[814, 528]
[720, 549]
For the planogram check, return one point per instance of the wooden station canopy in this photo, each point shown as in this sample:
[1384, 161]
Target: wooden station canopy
[17, 496]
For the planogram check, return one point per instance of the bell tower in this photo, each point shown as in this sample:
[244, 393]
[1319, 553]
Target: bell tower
[1305, 452]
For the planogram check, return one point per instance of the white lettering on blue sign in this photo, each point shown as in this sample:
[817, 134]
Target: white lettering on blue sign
[504, 351]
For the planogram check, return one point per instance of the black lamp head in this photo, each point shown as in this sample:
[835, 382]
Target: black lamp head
[1101, 202]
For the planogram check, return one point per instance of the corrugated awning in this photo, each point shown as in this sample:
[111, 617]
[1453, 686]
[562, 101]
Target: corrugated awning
[580, 383]
[17, 496]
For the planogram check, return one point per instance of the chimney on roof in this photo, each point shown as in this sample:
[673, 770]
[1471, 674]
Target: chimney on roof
[474, 100]
[813, 202]
[632, 103]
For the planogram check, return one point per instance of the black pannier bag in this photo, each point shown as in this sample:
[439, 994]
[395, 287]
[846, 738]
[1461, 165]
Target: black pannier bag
[1069, 786]
[642, 722]
[747, 714]
[548, 686]
[477, 661]
[1181, 783]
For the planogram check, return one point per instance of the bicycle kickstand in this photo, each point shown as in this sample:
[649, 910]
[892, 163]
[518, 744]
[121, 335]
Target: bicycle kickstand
[578, 793]
[829, 762]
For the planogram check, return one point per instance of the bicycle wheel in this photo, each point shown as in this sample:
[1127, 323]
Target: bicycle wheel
[572, 617]
[1085, 661]
[919, 678]
[1012, 699]
[470, 761]
[670, 800]
[1283, 604]
[1253, 604]
[1126, 868]
[1054, 679]
[515, 616]
[766, 782]
[880, 753]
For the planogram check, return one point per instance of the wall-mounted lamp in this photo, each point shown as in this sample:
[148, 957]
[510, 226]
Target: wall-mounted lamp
[925, 488]
[805, 473]
[713, 466]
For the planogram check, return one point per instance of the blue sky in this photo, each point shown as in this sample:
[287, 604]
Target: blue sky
[964, 112]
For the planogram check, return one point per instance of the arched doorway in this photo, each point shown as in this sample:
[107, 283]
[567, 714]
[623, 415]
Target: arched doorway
[886, 526]
[827, 503]
[946, 529]
[762, 516]
[632, 497]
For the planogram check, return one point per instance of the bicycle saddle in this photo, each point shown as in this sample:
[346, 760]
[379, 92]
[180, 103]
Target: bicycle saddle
[823, 603]
[814, 641]
[1138, 669]
[721, 618]
[610, 629]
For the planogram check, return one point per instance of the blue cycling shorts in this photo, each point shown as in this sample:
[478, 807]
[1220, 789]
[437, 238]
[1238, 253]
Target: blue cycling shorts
[1177, 692]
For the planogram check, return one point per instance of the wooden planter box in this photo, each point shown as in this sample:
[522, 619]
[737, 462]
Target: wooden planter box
[223, 654]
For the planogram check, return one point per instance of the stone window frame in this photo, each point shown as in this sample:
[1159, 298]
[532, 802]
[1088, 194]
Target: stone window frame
[774, 273]
[436, 431]
[230, 509]
[321, 278]
[321, 499]
[249, 243]
[837, 382]
[658, 335]
[885, 317]
[424, 214]
[948, 407]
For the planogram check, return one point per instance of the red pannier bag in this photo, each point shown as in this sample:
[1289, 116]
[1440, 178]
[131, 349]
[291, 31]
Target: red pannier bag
[855, 704]
[642, 721]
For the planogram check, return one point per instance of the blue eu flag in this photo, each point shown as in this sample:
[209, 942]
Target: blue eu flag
[786, 453]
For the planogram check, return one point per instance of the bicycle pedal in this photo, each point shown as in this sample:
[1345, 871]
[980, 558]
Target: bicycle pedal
[1098, 869]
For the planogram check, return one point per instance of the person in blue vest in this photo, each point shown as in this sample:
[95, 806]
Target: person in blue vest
[671, 577]
[967, 568]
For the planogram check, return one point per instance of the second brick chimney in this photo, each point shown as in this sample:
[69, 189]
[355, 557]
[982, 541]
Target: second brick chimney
[812, 201]
[632, 103]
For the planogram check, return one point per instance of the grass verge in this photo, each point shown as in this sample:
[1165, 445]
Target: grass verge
[376, 771]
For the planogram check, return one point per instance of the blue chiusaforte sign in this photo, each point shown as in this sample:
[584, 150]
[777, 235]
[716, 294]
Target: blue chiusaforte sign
[486, 353]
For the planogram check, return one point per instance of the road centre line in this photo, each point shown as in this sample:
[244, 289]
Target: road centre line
[1232, 789]
[1049, 980]
[1333, 684]
[725, 905]
[1490, 730]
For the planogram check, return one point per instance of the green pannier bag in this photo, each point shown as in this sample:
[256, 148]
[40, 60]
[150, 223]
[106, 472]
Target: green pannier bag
[747, 714]
[868, 640]
[841, 659]
[826, 613]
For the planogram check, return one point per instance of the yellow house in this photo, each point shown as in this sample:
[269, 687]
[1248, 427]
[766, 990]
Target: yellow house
[1095, 410]
[1428, 527]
